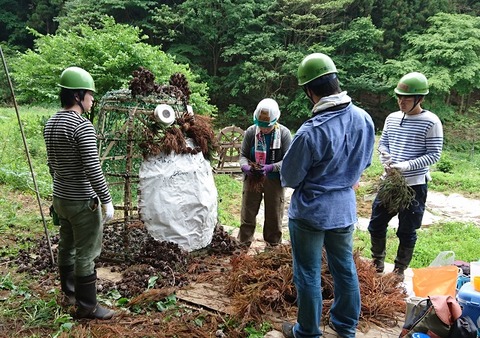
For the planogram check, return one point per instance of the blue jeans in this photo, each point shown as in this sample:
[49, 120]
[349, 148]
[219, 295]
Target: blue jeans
[307, 243]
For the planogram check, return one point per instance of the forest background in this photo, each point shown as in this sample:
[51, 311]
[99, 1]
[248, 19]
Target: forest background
[234, 53]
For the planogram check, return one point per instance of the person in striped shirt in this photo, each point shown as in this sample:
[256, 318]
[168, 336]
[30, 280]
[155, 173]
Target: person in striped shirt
[79, 187]
[411, 141]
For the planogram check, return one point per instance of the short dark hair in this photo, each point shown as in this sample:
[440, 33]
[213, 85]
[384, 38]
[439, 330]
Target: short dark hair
[67, 96]
[324, 85]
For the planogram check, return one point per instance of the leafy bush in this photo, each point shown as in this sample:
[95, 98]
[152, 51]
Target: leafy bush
[110, 53]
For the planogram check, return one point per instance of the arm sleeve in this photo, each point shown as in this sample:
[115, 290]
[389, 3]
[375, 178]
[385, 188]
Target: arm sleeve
[434, 146]
[247, 144]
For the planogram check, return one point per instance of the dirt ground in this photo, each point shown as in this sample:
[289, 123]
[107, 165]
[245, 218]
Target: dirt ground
[206, 300]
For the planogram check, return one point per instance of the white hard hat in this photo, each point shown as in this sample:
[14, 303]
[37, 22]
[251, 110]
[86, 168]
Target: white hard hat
[267, 113]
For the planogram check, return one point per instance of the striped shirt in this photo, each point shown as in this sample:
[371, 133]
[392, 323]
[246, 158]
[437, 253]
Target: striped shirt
[73, 159]
[417, 139]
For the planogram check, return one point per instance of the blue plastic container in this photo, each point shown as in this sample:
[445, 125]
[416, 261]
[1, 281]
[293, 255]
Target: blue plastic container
[469, 300]
[462, 280]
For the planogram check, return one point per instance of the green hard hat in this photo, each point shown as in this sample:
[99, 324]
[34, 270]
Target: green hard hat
[313, 66]
[414, 83]
[76, 78]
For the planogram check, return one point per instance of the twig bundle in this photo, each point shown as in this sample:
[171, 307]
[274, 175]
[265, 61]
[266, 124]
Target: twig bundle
[394, 193]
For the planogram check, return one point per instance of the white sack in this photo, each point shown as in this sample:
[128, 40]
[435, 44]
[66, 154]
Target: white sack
[178, 199]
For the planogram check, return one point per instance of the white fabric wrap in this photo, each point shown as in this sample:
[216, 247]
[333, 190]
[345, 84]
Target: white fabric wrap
[178, 199]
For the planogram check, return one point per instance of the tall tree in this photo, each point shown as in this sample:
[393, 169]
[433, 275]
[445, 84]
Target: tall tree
[448, 52]
[133, 12]
[13, 18]
[43, 14]
[359, 61]
[398, 17]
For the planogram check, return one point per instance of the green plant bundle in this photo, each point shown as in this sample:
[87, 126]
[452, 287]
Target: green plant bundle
[394, 193]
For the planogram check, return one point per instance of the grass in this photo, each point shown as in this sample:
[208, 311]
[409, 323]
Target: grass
[14, 165]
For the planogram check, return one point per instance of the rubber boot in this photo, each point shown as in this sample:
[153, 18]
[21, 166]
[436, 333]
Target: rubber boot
[86, 296]
[378, 253]
[404, 256]
[67, 284]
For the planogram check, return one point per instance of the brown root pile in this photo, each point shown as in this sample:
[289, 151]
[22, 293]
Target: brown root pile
[191, 323]
[179, 81]
[143, 83]
[255, 181]
[394, 193]
[263, 283]
[157, 140]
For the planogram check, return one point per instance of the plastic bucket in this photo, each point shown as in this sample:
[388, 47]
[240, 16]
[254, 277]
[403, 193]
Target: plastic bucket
[474, 270]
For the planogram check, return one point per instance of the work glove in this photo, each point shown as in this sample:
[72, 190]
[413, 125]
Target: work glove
[247, 169]
[401, 166]
[385, 158]
[108, 210]
[267, 168]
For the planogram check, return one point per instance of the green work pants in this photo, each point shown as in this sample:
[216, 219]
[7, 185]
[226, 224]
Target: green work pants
[81, 234]
[274, 199]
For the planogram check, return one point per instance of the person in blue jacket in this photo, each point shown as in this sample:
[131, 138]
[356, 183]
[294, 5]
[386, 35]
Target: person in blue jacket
[324, 163]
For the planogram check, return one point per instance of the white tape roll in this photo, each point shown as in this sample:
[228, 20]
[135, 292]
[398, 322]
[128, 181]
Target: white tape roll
[164, 114]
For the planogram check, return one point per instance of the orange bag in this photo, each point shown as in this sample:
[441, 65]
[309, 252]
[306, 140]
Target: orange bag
[435, 281]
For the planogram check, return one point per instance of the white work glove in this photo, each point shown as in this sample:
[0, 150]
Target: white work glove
[401, 166]
[385, 158]
[108, 210]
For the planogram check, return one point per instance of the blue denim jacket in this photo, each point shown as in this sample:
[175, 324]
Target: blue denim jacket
[325, 160]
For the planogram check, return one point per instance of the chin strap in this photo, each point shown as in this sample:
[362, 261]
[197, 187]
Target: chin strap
[415, 104]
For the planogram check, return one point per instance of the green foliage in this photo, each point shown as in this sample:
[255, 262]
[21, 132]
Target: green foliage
[358, 60]
[167, 303]
[258, 331]
[13, 21]
[22, 305]
[399, 17]
[446, 237]
[445, 164]
[110, 53]
[43, 16]
[450, 48]
[235, 113]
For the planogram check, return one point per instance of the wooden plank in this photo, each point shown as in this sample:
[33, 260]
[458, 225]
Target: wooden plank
[207, 295]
